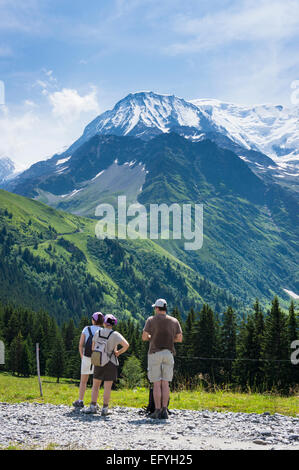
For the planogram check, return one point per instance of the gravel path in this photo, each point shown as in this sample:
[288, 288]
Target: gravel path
[33, 425]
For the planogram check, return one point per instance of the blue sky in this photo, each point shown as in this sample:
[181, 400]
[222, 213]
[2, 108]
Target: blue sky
[63, 62]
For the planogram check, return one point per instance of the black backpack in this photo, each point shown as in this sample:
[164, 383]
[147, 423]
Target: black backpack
[150, 408]
[88, 344]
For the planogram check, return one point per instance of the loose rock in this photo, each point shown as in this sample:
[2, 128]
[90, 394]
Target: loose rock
[36, 426]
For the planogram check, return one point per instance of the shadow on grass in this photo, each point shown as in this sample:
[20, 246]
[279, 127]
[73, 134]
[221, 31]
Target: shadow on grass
[64, 382]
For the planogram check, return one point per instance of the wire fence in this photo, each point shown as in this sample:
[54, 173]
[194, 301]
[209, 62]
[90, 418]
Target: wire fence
[231, 359]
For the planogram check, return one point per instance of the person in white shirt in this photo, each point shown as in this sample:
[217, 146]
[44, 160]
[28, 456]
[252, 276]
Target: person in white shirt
[108, 372]
[87, 368]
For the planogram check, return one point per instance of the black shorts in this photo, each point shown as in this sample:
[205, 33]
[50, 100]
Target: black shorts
[107, 372]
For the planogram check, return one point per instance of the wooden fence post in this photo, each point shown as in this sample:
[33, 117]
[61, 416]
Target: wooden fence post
[38, 369]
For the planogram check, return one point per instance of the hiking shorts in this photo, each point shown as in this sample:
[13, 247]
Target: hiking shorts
[160, 366]
[106, 373]
[86, 366]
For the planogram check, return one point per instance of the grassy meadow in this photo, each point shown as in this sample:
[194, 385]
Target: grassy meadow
[18, 389]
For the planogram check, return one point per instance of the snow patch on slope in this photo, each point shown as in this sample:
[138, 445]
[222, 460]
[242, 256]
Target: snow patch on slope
[270, 129]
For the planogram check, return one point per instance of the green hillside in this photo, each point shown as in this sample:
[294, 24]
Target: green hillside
[250, 228]
[52, 260]
[250, 224]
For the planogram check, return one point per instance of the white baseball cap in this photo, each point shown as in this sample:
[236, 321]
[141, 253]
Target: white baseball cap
[160, 303]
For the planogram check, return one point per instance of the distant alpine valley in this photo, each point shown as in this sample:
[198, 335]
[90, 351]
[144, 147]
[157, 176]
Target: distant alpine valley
[240, 162]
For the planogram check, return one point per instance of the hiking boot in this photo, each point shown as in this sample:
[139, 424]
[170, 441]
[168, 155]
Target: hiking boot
[155, 414]
[164, 413]
[92, 409]
[104, 411]
[78, 404]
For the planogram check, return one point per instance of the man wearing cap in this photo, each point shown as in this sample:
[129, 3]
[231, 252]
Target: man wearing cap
[87, 368]
[162, 331]
[108, 372]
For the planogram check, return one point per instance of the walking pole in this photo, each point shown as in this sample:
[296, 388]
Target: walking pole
[38, 369]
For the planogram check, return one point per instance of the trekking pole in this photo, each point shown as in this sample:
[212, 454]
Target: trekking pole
[38, 369]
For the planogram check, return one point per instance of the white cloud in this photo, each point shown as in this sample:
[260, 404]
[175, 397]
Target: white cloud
[248, 21]
[68, 105]
[17, 133]
[30, 104]
[32, 132]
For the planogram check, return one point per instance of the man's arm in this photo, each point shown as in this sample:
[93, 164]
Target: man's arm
[146, 336]
[178, 338]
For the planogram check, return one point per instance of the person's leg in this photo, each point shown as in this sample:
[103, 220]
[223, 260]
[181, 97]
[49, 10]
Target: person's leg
[82, 388]
[158, 394]
[167, 375]
[165, 393]
[154, 375]
[106, 399]
[95, 391]
[94, 397]
[107, 392]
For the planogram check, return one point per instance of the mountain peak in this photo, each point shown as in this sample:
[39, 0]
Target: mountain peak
[7, 167]
[264, 136]
[146, 114]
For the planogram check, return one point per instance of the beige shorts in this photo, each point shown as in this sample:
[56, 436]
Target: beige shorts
[86, 366]
[160, 366]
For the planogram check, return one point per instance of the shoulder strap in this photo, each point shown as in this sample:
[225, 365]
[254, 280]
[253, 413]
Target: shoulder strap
[89, 331]
[110, 334]
[106, 337]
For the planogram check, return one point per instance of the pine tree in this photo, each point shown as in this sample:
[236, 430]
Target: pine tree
[40, 338]
[189, 333]
[68, 333]
[179, 347]
[258, 339]
[228, 338]
[11, 322]
[15, 354]
[26, 365]
[56, 361]
[206, 342]
[292, 324]
[276, 348]
[31, 348]
[245, 365]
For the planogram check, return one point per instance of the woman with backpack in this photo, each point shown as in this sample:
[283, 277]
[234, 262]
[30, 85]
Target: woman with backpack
[85, 349]
[105, 357]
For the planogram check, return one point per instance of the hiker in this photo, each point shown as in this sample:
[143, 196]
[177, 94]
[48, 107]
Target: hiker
[162, 331]
[105, 344]
[85, 349]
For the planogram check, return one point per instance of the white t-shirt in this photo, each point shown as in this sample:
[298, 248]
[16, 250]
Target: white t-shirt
[93, 329]
[114, 340]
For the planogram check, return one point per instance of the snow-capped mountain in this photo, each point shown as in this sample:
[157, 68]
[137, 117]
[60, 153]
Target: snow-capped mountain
[254, 133]
[145, 115]
[272, 130]
[7, 168]
[266, 137]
